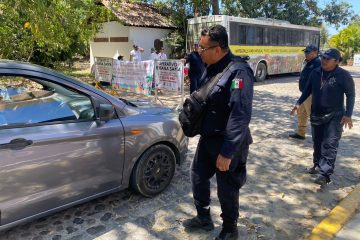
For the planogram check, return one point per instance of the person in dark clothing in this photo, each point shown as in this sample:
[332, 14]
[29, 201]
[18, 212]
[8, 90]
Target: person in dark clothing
[225, 135]
[312, 61]
[328, 84]
[197, 68]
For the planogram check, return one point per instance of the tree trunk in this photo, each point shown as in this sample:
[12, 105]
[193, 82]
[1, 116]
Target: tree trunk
[215, 7]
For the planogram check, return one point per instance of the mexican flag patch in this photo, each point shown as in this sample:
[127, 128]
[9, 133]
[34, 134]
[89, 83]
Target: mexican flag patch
[237, 83]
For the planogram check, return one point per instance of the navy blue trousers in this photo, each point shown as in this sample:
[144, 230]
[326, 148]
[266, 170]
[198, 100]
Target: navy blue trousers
[229, 183]
[326, 139]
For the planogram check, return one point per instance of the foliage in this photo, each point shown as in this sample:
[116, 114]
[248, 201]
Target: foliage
[183, 9]
[337, 14]
[49, 31]
[324, 37]
[347, 40]
[46, 31]
[302, 12]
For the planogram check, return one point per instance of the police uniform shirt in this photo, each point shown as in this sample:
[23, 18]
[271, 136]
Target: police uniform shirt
[197, 67]
[229, 107]
[328, 89]
[305, 73]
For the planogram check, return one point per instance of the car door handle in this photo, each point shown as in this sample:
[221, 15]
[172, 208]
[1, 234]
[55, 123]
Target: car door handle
[16, 144]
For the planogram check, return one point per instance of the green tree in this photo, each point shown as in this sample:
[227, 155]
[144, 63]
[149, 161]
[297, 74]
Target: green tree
[324, 37]
[215, 7]
[302, 12]
[337, 13]
[347, 41]
[46, 31]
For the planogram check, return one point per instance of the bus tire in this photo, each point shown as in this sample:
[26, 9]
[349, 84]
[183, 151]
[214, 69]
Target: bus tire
[261, 72]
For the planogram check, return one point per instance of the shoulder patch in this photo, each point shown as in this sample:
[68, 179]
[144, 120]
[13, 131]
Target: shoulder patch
[237, 83]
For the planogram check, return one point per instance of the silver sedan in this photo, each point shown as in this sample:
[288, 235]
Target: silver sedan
[63, 142]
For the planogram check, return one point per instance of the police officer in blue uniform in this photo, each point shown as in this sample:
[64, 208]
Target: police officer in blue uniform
[312, 61]
[328, 84]
[196, 69]
[225, 136]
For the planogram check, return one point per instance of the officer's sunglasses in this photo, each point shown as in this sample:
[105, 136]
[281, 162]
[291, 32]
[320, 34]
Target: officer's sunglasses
[202, 49]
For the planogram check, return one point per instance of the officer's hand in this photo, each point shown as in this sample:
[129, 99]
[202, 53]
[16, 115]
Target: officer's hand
[296, 107]
[347, 122]
[223, 163]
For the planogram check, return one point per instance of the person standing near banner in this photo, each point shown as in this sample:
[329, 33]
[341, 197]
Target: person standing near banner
[135, 54]
[162, 54]
[196, 67]
[153, 55]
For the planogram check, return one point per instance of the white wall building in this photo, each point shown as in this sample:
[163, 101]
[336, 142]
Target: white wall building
[139, 24]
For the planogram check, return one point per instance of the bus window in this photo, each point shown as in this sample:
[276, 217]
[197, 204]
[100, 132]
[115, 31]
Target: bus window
[281, 36]
[306, 38]
[242, 34]
[267, 36]
[288, 39]
[274, 36]
[234, 33]
[258, 35]
[250, 35]
[297, 37]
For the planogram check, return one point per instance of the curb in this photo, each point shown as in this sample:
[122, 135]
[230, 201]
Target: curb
[338, 217]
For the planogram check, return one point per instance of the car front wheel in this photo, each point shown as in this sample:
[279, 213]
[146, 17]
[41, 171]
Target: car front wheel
[154, 170]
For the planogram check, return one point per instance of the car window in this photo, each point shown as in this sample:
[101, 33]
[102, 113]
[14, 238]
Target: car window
[31, 101]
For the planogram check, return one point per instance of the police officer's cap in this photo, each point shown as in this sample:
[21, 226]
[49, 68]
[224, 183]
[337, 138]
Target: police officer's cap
[331, 53]
[310, 48]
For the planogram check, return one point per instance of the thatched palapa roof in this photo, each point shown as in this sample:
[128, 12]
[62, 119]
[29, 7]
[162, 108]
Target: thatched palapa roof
[138, 14]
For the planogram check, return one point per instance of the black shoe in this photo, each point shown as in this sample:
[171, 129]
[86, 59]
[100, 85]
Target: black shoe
[322, 180]
[227, 234]
[313, 170]
[199, 222]
[297, 136]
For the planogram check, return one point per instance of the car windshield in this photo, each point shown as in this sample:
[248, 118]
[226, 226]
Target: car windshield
[28, 101]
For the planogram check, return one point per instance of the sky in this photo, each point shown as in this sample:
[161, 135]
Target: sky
[355, 7]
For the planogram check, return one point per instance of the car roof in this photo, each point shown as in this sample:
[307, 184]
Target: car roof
[4, 63]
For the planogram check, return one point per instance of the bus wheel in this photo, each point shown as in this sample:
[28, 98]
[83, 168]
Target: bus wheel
[261, 72]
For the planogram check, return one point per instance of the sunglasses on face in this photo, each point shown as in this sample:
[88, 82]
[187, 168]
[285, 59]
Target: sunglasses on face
[202, 49]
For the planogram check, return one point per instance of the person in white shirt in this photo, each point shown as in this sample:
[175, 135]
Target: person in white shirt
[135, 54]
[162, 55]
[153, 55]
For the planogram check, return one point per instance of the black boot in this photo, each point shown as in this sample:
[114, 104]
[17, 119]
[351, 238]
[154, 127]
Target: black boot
[314, 170]
[228, 232]
[322, 180]
[201, 221]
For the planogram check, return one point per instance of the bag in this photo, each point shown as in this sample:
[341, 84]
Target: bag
[320, 119]
[195, 106]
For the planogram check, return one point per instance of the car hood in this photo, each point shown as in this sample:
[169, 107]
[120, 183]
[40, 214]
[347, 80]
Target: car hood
[148, 107]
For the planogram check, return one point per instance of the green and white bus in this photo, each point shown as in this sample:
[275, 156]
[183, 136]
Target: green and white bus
[273, 46]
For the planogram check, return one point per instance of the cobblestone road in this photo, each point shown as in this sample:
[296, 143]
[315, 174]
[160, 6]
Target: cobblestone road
[279, 201]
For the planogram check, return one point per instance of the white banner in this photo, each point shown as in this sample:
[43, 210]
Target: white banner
[103, 69]
[356, 60]
[133, 76]
[169, 75]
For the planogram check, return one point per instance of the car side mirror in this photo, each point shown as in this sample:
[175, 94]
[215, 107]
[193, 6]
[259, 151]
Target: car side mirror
[106, 112]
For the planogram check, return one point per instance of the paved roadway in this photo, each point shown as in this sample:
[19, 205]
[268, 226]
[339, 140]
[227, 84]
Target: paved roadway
[279, 201]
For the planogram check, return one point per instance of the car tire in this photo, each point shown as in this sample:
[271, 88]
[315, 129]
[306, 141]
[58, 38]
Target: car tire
[153, 171]
[261, 72]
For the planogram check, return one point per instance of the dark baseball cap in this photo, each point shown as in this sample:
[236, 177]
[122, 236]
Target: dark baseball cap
[331, 53]
[310, 48]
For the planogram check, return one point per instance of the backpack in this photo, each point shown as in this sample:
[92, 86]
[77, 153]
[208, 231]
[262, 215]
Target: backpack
[194, 108]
